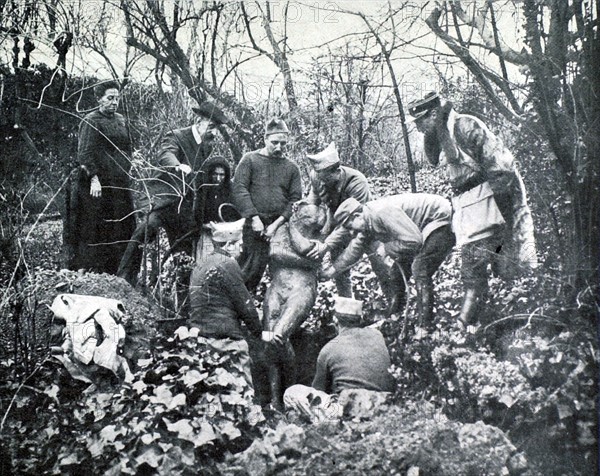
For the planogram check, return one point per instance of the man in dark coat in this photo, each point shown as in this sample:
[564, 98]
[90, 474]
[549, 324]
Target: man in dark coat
[172, 188]
[265, 186]
[219, 301]
[331, 183]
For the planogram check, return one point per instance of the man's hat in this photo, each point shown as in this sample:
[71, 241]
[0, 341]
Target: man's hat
[228, 231]
[276, 126]
[212, 112]
[346, 209]
[422, 106]
[347, 310]
[325, 159]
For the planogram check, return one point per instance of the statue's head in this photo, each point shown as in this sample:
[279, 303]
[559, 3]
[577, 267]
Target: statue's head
[311, 219]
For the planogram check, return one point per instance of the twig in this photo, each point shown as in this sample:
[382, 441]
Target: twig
[12, 401]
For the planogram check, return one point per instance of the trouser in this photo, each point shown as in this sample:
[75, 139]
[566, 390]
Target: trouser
[475, 258]
[176, 221]
[422, 265]
[255, 254]
[315, 404]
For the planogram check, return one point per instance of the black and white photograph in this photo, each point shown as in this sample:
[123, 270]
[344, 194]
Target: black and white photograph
[299, 237]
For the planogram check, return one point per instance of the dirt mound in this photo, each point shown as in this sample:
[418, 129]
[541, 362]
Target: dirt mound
[29, 309]
[409, 439]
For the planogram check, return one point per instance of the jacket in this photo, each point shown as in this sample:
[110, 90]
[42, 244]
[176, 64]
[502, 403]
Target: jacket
[219, 301]
[401, 222]
[167, 185]
[480, 156]
[352, 183]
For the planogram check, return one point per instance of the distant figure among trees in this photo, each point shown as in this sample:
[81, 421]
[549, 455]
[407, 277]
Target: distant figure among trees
[99, 211]
[491, 218]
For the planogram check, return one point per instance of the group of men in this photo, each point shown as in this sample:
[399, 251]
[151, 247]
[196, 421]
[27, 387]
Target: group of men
[402, 235]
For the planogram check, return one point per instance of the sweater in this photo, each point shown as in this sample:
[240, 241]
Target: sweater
[266, 186]
[356, 358]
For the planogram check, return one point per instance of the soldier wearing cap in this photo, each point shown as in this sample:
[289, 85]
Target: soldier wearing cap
[356, 359]
[416, 237]
[331, 183]
[491, 220]
[173, 186]
[219, 300]
[265, 186]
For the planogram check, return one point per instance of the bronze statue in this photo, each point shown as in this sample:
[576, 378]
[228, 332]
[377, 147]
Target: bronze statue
[292, 292]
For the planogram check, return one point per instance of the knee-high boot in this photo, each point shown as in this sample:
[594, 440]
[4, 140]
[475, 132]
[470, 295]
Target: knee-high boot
[425, 303]
[470, 307]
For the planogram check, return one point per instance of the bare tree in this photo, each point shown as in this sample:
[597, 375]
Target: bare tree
[278, 52]
[159, 30]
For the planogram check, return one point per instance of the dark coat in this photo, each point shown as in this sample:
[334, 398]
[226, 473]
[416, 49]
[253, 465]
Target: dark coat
[210, 197]
[166, 185]
[96, 230]
[219, 301]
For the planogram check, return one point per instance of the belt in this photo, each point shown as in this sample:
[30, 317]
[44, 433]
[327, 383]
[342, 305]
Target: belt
[469, 184]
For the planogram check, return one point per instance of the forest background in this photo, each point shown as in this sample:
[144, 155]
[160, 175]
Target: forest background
[340, 71]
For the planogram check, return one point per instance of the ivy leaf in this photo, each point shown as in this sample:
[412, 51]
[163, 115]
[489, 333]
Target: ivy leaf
[52, 391]
[206, 435]
[192, 377]
[109, 433]
[96, 447]
[139, 386]
[182, 427]
[162, 395]
[149, 438]
[508, 400]
[178, 400]
[229, 430]
[152, 457]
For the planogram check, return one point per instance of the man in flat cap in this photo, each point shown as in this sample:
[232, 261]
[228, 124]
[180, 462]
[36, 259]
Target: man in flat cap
[331, 183]
[265, 186]
[219, 300]
[356, 359]
[173, 186]
[415, 231]
[492, 220]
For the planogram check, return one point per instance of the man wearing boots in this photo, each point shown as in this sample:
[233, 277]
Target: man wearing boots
[173, 187]
[491, 219]
[414, 229]
[331, 183]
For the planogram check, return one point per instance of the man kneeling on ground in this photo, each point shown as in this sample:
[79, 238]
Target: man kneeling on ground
[356, 359]
[219, 300]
